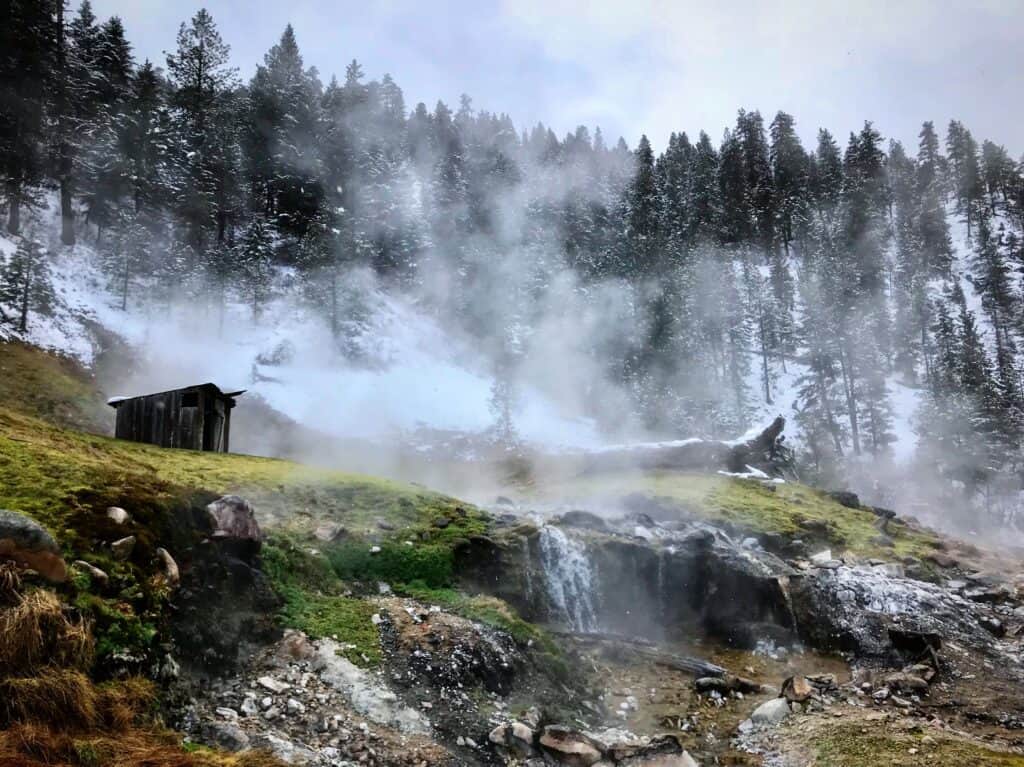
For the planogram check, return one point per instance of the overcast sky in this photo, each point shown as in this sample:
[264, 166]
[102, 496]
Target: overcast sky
[643, 66]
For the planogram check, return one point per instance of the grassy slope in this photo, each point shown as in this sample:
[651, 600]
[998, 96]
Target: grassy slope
[66, 478]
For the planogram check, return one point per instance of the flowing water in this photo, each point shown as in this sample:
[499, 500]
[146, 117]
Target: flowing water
[569, 577]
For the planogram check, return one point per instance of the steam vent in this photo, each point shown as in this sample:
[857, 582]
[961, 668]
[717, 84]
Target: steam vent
[194, 418]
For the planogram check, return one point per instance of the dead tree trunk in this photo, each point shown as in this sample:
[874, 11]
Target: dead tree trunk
[764, 452]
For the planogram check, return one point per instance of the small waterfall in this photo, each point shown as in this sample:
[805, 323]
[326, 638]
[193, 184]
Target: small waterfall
[570, 578]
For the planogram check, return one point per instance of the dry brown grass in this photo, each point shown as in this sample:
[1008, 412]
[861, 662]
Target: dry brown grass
[10, 584]
[53, 715]
[29, 745]
[39, 631]
[61, 697]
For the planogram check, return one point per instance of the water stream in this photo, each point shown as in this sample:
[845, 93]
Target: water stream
[569, 578]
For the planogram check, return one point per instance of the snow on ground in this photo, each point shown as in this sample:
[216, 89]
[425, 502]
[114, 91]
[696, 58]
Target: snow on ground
[408, 373]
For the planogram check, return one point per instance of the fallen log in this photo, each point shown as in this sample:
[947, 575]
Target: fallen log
[764, 452]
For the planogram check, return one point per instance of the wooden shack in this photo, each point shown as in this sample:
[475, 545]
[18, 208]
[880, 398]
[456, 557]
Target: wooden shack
[193, 418]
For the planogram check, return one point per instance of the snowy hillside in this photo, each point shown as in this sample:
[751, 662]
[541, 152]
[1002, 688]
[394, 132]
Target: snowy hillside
[402, 372]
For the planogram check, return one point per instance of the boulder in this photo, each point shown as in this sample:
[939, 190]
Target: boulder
[233, 518]
[796, 689]
[123, 547]
[941, 559]
[171, 573]
[568, 747]
[845, 498]
[26, 542]
[118, 515]
[771, 712]
[226, 735]
[904, 682]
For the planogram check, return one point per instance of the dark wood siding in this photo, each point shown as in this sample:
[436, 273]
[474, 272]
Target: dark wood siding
[196, 418]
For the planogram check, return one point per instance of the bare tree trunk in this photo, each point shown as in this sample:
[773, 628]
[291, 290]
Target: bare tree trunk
[64, 169]
[26, 289]
[846, 367]
[124, 285]
[13, 207]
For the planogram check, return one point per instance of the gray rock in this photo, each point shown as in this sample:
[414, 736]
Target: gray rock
[118, 515]
[171, 572]
[682, 759]
[234, 518]
[228, 714]
[367, 695]
[249, 706]
[285, 750]
[993, 625]
[568, 747]
[583, 519]
[274, 685]
[122, 548]
[26, 542]
[228, 736]
[93, 572]
[771, 712]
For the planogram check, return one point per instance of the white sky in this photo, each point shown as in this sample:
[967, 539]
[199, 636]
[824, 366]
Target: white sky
[652, 66]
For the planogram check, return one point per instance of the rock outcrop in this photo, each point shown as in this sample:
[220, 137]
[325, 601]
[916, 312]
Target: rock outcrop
[27, 543]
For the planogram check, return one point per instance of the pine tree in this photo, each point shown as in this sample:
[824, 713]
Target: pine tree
[28, 43]
[26, 284]
[965, 171]
[281, 137]
[206, 129]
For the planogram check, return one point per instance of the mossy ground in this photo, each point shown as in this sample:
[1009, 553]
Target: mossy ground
[855, 746]
[751, 507]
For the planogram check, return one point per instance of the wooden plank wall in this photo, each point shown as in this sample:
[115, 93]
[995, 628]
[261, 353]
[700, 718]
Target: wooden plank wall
[161, 419]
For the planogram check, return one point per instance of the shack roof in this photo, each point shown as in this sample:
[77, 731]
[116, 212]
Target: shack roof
[115, 401]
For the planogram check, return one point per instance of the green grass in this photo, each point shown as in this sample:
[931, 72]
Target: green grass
[53, 388]
[315, 600]
[752, 507]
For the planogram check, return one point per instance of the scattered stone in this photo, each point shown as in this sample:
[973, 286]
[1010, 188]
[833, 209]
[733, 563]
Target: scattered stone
[123, 547]
[118, 515]
[295, 707]
[821, 557]
[227, 713]
[26, 542]
[375, 549]
[273, 685]
[249, 706]
[796, 689]
[568, 747]
[228, 736]
[171, 572]
[906, 683]
[442, 522]
[941, 559]
[771, 712]
[93, 572]
[993, 625]
[845, 498]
